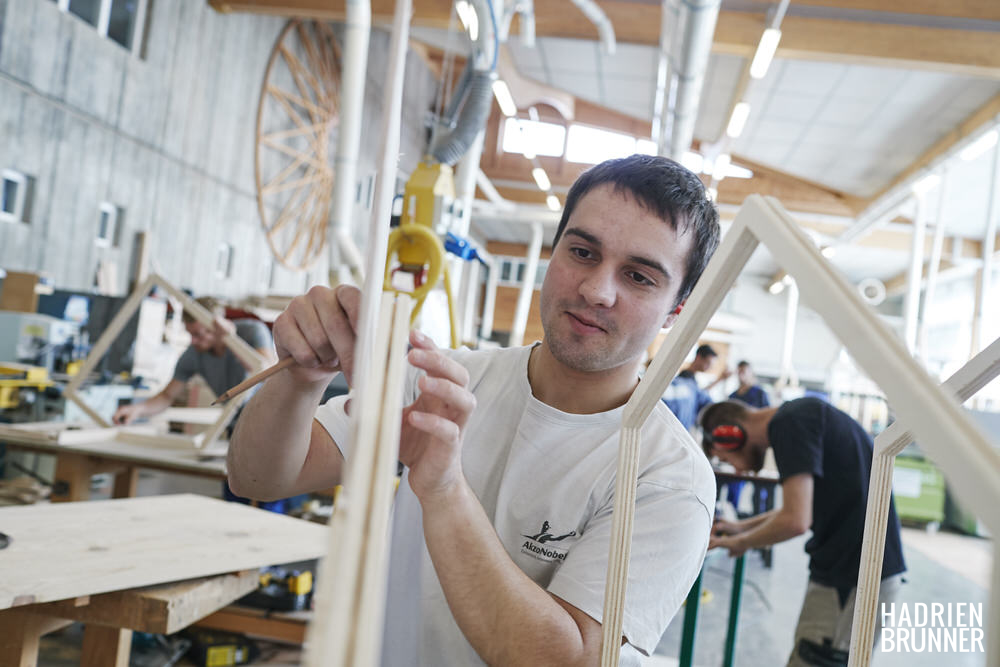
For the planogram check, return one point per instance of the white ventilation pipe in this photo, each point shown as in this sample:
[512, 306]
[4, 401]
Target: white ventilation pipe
[911, 302]
[933, 266]
[527, 287]
[605, 31]
[689, 47]
[357, 27]
[983, 301]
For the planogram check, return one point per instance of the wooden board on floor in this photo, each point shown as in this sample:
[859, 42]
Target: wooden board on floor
[71, 550]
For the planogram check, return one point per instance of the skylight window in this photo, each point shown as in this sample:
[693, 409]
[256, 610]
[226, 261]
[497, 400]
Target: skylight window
[533, 136]
[591, 145]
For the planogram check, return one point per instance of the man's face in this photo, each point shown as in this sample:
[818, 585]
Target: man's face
[744, 459]
[745, 375]
[702, 363]
[612, 282]
[203, 339]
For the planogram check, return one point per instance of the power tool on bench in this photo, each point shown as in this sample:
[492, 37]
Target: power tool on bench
[281, 590]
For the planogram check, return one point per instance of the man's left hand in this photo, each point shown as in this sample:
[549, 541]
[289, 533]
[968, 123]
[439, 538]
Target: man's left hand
[729, 542]
[431, 439]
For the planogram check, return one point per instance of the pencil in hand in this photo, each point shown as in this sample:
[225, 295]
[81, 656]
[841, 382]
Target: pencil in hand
[254, 380]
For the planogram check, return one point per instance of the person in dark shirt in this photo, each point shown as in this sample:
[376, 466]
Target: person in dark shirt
[683, 396]
[824, 460]
[749, 391]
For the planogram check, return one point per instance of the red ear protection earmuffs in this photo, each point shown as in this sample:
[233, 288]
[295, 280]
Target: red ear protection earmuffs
[729, 437]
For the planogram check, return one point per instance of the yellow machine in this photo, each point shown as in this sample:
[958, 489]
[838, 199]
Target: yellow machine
[15, 377]
[415, 244]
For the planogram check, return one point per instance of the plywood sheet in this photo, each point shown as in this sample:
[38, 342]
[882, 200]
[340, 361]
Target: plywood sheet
[70, 550]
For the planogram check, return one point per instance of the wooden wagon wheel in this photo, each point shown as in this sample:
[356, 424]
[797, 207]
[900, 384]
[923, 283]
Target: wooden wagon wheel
[297, 119]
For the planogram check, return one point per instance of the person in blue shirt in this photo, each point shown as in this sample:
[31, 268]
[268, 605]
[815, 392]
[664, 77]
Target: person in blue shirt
[684, 397]
[749, 391]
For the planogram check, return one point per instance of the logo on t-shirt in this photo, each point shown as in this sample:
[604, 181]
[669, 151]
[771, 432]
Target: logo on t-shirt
[539, 545]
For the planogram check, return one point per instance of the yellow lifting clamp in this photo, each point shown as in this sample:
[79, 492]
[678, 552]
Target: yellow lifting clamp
[416, 246]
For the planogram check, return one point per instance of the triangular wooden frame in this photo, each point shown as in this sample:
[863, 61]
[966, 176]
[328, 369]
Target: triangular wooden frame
[237, 345]
[947, 434]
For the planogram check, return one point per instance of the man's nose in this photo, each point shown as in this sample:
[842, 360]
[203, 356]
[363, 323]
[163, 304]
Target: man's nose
[599, 288]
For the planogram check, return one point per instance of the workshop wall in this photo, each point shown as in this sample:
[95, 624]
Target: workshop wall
[166, 134]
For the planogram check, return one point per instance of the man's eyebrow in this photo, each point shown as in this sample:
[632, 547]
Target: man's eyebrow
[637, 259]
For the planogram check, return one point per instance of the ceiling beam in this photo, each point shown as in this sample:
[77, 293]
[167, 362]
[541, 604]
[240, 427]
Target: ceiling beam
[975, 123]
[986, 10]
[796, 194]
[973, 52]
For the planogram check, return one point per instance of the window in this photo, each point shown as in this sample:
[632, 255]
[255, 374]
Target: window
[512, 270]
[108, 218]
[224, 261]
[121, 21]
[544, 138]
[591, 145]
[15, 196]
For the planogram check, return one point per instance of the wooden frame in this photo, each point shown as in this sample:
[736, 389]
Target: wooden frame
[948, 435]
[968, 380]
[236, 345]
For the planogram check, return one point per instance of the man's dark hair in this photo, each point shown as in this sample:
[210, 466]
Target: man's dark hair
[705, 351]
[743, 364]
[664, 187]
[719, 414]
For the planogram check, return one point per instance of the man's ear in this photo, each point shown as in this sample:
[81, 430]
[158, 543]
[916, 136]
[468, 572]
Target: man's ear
[673, 315]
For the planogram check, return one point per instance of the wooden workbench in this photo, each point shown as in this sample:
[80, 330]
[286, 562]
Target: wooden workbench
[78, 461]
[95, 562]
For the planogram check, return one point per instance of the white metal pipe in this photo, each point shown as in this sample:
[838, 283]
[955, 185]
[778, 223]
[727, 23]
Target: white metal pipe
[467, 301]
[466, 176]
[357, 28]
[605, 31]
[934, 265]
[668, 19]
[489, 299]
[788, 375]
[989, 243]
[911, 302]
[486, 185]
[527, 287]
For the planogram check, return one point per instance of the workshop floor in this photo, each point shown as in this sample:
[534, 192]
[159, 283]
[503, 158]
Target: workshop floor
[943, 567]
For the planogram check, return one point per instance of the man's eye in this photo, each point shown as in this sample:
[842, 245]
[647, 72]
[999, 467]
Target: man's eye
[582, 253]
[639, 279]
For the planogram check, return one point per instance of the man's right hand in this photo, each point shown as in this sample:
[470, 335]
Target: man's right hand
[319, 330]
[126, 414]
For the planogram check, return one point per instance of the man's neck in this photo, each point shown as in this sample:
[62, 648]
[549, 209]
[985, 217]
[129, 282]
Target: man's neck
[578, 392]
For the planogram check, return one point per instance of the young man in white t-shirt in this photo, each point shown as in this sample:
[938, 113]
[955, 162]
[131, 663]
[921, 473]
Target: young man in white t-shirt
[501, 526]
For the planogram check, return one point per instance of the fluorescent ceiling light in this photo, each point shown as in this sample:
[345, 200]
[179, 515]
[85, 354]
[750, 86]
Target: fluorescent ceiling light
[553, 202]
[979, 146]
[542, 179]
[738, 120]
[777, 287]
[469, 18]
[829, 251]
[693, 161]
[926, 184]
[766, 47]
[720, 168]
[504, 99]
[738, 172]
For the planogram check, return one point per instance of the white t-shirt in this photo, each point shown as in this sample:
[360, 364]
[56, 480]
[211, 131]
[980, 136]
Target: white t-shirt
[546, 479]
